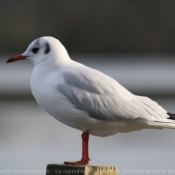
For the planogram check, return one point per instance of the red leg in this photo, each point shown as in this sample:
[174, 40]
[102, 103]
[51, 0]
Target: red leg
[85, 154]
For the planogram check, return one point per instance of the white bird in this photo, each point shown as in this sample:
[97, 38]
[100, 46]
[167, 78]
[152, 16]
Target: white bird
[87, 99]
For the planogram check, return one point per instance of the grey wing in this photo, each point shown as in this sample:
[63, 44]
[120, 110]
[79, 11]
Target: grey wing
[105, 99]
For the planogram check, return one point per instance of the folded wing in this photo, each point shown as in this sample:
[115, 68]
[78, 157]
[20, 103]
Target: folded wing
[105, 99]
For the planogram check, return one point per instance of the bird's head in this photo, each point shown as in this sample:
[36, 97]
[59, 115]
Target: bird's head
[42, 49]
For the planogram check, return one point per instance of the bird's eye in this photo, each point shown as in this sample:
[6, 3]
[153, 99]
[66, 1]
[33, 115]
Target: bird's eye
[35, 49]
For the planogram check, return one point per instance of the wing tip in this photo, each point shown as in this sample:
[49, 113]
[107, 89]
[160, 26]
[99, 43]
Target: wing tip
[172, 116]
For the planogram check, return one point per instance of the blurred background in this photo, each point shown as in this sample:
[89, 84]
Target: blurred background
[131, 41]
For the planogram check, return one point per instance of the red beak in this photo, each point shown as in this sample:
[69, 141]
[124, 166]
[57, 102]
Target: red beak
[16, 58]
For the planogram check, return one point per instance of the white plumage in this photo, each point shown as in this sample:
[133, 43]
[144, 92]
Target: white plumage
[85, 98]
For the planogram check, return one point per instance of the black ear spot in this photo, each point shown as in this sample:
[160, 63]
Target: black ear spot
[47, 50]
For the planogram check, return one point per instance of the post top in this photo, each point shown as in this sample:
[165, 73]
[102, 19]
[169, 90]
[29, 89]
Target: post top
[62, 169]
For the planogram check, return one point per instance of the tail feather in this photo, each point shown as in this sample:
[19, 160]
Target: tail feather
[164, 123]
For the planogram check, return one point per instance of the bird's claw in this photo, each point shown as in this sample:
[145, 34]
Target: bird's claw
[81, 162]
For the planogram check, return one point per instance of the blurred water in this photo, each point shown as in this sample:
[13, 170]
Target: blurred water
[30, 138]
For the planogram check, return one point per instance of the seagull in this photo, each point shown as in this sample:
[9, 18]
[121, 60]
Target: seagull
[87, 99]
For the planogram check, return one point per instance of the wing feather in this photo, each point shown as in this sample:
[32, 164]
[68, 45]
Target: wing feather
[105, 99]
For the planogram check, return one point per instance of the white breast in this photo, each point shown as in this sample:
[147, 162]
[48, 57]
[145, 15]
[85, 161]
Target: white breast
[45, 89]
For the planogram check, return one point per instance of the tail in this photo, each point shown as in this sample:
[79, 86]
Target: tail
[165, 123]
[155, 116]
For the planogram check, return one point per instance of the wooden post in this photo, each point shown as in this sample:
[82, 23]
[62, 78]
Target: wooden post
[60, 169]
